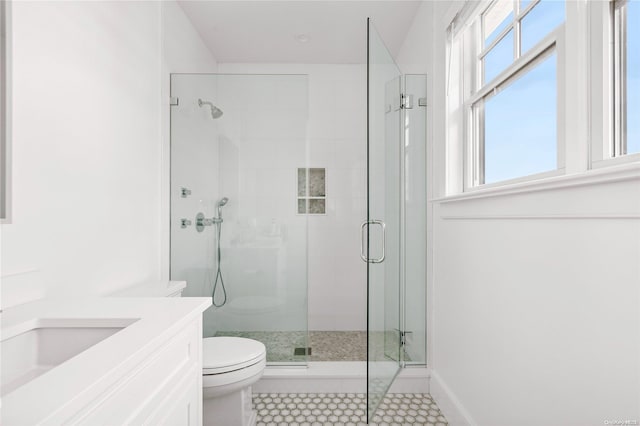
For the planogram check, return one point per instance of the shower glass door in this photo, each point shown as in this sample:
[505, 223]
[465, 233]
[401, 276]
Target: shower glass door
[382, 229]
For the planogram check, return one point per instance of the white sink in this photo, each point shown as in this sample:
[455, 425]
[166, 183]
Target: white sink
[47, 343]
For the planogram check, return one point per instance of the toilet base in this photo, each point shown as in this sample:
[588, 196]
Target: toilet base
[232, 409]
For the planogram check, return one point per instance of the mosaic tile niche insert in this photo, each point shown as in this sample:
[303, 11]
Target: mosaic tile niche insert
[312, 194]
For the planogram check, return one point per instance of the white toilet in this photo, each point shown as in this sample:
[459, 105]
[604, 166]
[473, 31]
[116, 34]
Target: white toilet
[230, 365]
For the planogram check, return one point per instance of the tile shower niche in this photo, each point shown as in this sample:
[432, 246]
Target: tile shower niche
[312, 194]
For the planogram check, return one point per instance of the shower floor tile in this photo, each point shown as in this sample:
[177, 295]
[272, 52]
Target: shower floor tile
[345, 409]
[338, 345]
[325, 345]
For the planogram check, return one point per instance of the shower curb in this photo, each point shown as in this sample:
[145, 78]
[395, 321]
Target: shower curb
[336, 377]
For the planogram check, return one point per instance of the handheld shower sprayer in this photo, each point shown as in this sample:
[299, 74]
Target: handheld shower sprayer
[218, 222]
[223, 201]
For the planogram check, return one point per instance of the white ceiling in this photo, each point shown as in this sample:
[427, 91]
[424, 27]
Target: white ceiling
[265, 31]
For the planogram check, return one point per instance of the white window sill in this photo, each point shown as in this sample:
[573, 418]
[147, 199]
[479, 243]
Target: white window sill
[623, 172]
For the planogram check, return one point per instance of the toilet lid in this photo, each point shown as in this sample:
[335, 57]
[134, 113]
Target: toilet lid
[224, 354]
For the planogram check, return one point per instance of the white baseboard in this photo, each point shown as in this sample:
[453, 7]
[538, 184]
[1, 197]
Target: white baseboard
[449, 403]
[412, 380]
[335, 377]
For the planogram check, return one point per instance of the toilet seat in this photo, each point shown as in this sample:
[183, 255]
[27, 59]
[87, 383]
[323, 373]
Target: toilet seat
[227, 354]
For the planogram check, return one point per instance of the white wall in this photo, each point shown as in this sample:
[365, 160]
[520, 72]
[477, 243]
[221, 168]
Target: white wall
[533, 297]
[414, 56]
[87, 152]
[337, 141]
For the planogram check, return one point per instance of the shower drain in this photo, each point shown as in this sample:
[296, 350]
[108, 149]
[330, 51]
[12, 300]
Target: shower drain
[302, 351]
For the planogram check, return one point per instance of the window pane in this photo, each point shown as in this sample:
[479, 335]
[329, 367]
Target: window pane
[520, 126]
[633, 77]
[496, 19]
[540, 21]
[499, 58]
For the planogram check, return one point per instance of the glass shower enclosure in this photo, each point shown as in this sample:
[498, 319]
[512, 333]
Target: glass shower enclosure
[242, 189]
[238, 143]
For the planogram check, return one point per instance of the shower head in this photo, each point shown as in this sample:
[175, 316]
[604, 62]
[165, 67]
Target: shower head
[223, 201]
[215, 111]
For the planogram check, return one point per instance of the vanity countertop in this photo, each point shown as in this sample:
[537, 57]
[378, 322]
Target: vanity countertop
[77, 381]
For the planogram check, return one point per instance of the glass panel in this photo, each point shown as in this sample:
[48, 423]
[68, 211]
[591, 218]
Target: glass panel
[260, 247]
[383, 174]
[633, 77]
[520, 136]
[415, 222]
[540, 21]
[499, 58]
[496, 19]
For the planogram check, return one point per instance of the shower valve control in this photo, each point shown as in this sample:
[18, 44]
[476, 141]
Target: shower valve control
[184, 223]
[185, 192]
[201, 222]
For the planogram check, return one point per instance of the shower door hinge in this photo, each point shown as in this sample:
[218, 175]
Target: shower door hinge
[403, 336]
[406, 101]
[173, 101]
[422, 102]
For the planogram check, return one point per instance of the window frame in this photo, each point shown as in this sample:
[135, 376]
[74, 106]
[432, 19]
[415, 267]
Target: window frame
[619, 74]
[607, 89]
[475, 92]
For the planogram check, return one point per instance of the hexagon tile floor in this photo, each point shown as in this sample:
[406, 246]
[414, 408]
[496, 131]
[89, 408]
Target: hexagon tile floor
[333, 409]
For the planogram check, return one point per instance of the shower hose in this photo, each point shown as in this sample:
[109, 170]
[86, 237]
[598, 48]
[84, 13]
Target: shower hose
[219, 278]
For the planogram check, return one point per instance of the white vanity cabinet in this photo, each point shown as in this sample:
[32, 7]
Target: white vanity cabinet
[148, 373]
[163, 389]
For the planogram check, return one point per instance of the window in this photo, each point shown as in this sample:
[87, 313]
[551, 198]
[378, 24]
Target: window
[540, 88]
[511, 60]
[626, 77]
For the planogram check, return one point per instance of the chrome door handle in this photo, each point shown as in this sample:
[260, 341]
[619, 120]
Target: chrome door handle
[384, 240]
[363, 255]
